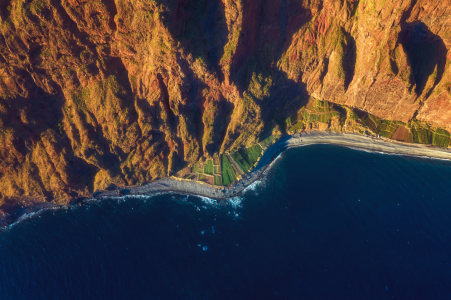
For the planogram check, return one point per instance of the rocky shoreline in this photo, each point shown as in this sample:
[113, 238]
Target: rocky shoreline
[181, 186]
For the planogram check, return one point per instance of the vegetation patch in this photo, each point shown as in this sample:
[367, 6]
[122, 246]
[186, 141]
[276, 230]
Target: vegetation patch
[314, 111]
[218, 180]
[297, 126]
[441, 138]
[269, 140]
[246, 158]
[387, 129]
[241, 162]
[421, 135]
[197, 169]
[217, 170]
[228, 175]
[208, 169]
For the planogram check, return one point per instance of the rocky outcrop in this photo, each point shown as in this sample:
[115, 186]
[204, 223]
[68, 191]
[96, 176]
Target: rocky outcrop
[124, 92]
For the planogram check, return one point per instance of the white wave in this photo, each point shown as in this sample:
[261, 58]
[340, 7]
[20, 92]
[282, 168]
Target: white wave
[236, 202]
[374, 151]
[430, 157]
[397, 154]
[253, 186]
[273, 163]
[31, 215]
[208, 201]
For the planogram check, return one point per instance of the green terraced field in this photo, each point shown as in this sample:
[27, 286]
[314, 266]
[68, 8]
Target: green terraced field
[323, 115]
[202, 177]
[422, 135]
[228, 175]
[217, 170]
[441, 138]
[208, 169]
[377, 121]
[241, 162]
[246, 158]
[387, 129]
[218, 180]
[196, 169]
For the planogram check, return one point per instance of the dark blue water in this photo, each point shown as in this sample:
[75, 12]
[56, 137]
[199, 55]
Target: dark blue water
[326, 223]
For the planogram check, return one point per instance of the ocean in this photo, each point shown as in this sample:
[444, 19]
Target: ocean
[325, 222]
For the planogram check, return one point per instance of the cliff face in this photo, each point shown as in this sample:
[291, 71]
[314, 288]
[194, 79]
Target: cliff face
[126, 91]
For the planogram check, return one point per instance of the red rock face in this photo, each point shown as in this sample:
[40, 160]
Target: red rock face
[101, 92]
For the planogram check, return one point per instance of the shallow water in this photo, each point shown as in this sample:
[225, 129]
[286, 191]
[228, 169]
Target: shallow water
[325, 223]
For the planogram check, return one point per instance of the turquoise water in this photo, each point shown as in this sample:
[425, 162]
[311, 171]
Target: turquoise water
[325, 223]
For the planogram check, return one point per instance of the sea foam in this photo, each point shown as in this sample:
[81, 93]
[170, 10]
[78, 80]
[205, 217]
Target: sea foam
[208, 201]
[253, 186]
[236, 202]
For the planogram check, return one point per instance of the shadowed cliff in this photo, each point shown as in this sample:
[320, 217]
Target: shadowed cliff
[94, 93]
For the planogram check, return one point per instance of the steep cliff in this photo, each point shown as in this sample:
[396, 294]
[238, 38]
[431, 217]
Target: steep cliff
[126, 91]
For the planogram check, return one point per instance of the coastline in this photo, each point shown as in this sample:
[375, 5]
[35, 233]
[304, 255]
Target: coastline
[216, 193]
[349, 140]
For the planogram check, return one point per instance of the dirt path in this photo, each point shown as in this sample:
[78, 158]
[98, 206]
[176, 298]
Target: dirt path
[235, 164]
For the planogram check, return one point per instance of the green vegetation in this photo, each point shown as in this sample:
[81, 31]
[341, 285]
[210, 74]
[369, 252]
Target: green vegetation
[441, 138]
[241, 162]
[228, 175]
[246, 158]
[208, 169]
[371, 122]
[202, 177]
[229, 49]
[196, 169]
[352, 115]
[387, 128]
[218, 180]
[217, 170]
[315, 111]
[297, 126]
[421, 135]
[267, 141]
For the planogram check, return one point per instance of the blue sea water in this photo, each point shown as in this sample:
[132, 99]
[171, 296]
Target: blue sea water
[326, 222]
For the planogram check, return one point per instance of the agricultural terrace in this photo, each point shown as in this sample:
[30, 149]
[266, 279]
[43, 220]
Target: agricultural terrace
[225, 169]
[413, 132]
[228, 175]
[197, 169]
[314, 111]
[387, 128]
[217, 170]
[218, 180]
[208, 169]
[246, 158]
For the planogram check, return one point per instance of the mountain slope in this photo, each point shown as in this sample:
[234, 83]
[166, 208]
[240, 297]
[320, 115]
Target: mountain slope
[122, 91]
